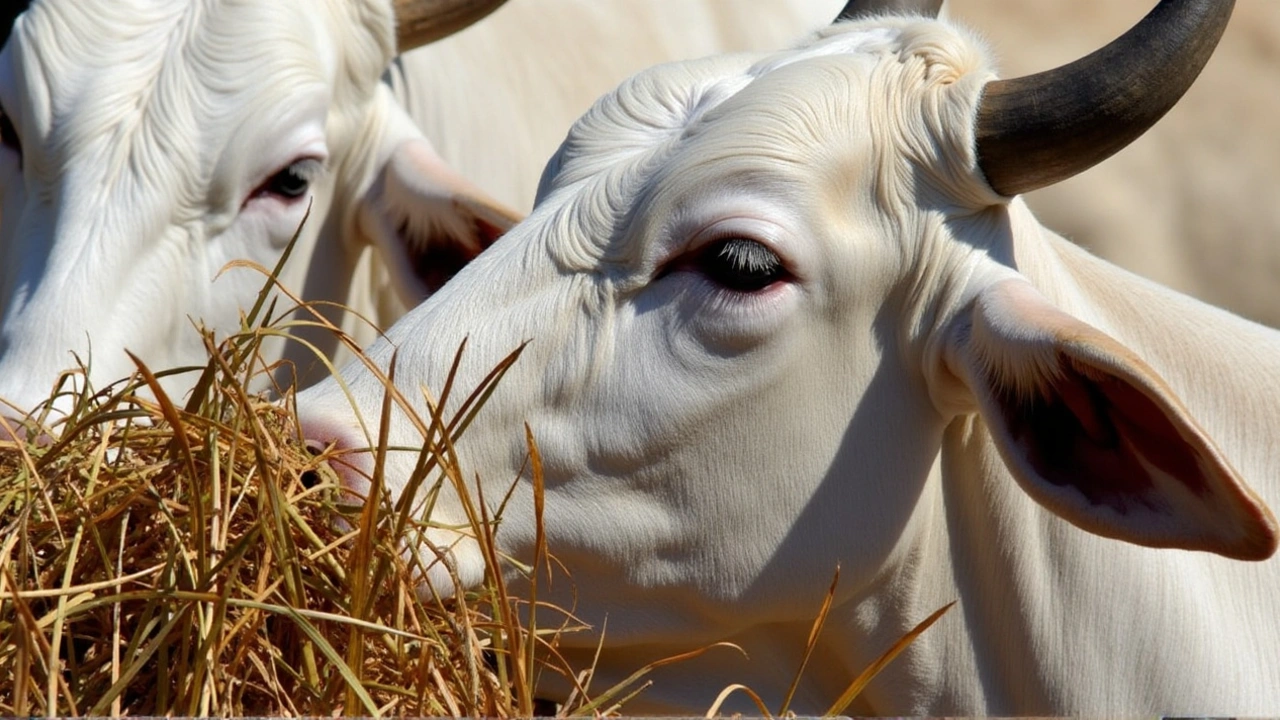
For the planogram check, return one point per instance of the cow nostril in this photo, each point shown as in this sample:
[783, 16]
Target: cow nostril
[336, 456]
[311, 478]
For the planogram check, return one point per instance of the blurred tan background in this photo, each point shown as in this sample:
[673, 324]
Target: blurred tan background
[1195, 203]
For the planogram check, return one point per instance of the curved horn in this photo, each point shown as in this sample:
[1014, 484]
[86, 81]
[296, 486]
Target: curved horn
[419, 22]
[1040, 129]
[858, 8]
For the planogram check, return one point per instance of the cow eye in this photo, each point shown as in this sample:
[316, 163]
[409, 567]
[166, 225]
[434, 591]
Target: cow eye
[741, 264]
[291, 181]
[288, 183]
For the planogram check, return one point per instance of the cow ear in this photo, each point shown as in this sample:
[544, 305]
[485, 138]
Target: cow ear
[428, 221]
[1092, 433]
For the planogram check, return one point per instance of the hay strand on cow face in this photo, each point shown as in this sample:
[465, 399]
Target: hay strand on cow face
[859, 683]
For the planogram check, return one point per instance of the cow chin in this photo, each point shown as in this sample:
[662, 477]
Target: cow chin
[451, 563]
[442, 561]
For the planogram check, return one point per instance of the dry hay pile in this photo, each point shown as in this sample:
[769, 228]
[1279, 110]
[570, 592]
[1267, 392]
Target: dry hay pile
[158, 559]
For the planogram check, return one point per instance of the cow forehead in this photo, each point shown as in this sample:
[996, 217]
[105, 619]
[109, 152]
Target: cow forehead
[638, 121]
[704, 127]
[170, 79]
[133, 37]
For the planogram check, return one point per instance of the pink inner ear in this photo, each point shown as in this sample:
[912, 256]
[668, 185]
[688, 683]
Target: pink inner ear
[488, 233]
[438, 220]
[443, 254]
[1102, 437]
[1096, 436]
[442, 259]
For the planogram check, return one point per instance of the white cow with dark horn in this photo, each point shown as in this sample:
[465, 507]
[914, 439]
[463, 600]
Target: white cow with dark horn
[786, 312]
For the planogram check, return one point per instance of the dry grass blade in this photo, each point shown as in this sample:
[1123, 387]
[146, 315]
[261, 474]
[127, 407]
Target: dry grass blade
[616, 692]
[539, 553]
[812, 642]
[860, 682]
[714, 710]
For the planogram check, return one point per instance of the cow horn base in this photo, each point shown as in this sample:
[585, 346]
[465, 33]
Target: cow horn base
[419, 22]
[1040, 129]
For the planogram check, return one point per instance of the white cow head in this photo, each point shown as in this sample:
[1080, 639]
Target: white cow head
[757, 291]
[147, 144]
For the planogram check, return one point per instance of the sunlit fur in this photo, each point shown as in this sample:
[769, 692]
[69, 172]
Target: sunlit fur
[712, 457]
[145, 125]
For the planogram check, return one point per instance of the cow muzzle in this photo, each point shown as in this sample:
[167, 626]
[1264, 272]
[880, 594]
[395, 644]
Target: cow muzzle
[444, 556]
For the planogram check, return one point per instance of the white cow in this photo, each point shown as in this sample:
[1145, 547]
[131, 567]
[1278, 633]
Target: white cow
[149, 143]
[785, 313]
